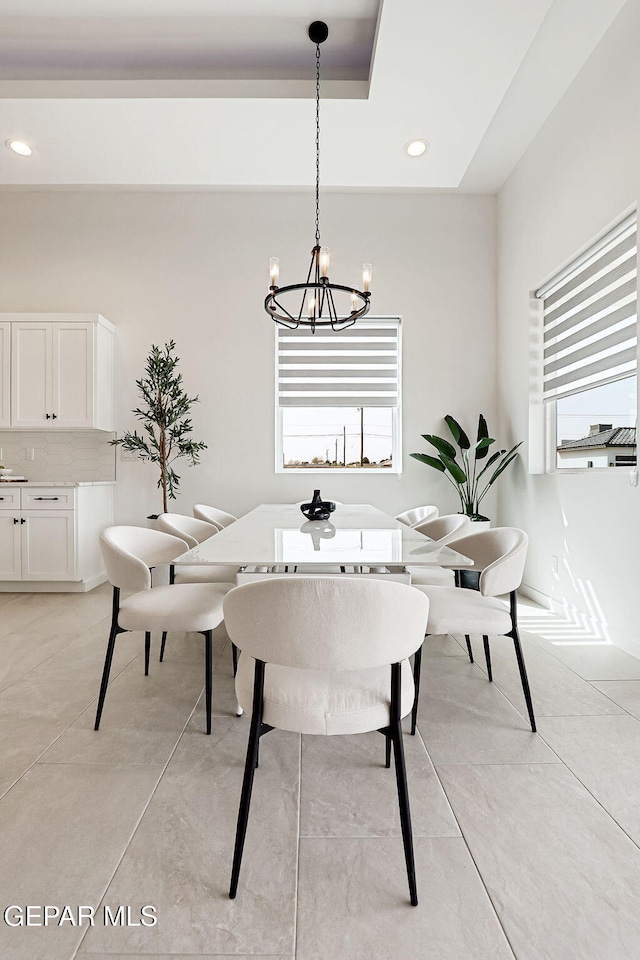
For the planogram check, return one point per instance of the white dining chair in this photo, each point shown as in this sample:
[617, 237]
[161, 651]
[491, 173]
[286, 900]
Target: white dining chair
[219, 518]
[499, 555]
[130, 554]
[442, 530]
[326, 656]
[417, 515]
[194, 532]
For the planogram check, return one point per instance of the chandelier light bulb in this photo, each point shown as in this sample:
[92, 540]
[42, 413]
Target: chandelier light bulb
[274, 271]
[312, 307]
[325, 256]
[23, 149]
[366, 277]
[354, 302]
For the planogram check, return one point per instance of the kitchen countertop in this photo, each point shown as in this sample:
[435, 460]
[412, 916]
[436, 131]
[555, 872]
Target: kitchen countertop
[57, 483]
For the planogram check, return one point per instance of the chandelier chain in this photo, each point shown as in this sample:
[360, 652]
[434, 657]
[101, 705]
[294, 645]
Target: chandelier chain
[317, 144]
[322, 304]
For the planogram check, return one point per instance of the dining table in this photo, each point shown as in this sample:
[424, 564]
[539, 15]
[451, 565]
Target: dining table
[276, 538]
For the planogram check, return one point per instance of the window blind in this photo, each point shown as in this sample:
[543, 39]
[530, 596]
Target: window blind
[590, 316]
[356, 368]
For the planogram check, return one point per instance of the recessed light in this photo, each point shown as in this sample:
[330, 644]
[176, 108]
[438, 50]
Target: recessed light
[415, 148]
[19, 147]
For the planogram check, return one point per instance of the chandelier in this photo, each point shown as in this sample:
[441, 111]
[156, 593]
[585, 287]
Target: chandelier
[317, 302]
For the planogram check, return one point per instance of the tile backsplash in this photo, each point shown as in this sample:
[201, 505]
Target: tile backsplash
[58, 455]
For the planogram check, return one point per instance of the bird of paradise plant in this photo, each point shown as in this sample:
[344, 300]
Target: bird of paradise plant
[463, 467]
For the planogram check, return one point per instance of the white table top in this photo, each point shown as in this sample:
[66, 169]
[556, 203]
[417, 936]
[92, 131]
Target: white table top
[278, 533]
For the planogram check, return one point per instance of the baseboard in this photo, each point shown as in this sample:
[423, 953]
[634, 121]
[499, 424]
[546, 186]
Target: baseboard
[52, 586]
[590, 624]
[91, 582]
[532, 594]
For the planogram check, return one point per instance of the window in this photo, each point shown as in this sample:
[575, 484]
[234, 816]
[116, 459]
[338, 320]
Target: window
[338, 398]
[589, 378]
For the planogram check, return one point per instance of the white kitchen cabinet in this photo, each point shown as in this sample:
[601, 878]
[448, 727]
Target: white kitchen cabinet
[5, 374]
[49, 536]
[73, 374]
[61, 371]
[10, 550]
[31, 398]
[48, 545]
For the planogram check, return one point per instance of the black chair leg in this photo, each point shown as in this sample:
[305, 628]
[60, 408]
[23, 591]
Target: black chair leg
[469, 647]
[208, 674]
[387, 752]
[405, 813]
[234, 654]
[113, 633]
[417, 664]
[513, 604]
[524, 678]
[487, 656]
[395, 733]
[249, 771]
[147, 653]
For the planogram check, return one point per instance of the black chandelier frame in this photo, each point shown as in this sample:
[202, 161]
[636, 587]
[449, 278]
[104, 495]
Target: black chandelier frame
[317, 280]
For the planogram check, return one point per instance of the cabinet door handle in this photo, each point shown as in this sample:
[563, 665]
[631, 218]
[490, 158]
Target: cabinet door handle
[46, 498]
[22, 520]
[47, 416]
[54, 416]
[15, 520]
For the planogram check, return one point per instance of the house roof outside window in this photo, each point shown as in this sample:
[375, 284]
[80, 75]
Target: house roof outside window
[602, 436]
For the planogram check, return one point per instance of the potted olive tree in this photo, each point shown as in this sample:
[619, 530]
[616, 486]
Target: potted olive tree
[166, 426]
[465, 467]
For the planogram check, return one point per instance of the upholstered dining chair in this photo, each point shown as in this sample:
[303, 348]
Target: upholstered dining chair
[418, 515]
[443, 530]
[499, 556]
[130, 553]
[193, 532]
[219, 518]
[326, 656]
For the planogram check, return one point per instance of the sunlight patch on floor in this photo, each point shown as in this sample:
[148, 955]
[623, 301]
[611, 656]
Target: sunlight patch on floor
[571, 630]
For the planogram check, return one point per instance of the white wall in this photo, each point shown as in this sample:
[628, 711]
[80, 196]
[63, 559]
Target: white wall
[194, 266]
[581, 173]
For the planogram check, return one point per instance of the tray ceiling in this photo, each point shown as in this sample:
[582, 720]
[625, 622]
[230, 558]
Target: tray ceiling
[205, 93]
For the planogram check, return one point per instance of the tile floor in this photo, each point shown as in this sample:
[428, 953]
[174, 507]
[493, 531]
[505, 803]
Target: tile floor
[526, 845]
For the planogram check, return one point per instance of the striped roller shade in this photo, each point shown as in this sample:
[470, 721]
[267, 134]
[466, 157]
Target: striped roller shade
[590, 316]
[356, 368]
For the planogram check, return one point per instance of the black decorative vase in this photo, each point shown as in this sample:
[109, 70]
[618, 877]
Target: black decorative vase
[318, 509]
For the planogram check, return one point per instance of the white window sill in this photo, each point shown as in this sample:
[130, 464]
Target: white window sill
[572, 471]
[323, 471]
